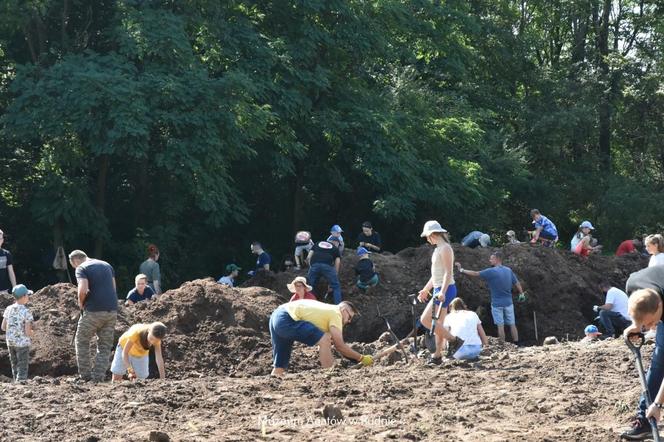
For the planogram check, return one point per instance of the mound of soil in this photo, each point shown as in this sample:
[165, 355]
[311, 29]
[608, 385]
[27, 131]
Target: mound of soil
[213, 328]
[561, 287]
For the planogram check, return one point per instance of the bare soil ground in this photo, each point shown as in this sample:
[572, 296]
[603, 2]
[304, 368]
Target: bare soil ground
[218, 356]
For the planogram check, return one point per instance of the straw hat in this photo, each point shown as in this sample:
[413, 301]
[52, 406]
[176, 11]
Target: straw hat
[301, 279]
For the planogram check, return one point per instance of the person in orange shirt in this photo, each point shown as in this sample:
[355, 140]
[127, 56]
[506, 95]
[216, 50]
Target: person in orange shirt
[132, 353]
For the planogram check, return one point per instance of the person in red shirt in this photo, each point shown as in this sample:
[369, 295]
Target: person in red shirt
[300, 289]
[628, 246]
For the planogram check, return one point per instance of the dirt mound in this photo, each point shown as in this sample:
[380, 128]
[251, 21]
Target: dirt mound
[212, 328]
[562, 288]
[52, 351]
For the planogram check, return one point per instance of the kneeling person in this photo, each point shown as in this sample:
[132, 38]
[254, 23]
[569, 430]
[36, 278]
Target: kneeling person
[466, 325]
[133, 350]
[312, 323]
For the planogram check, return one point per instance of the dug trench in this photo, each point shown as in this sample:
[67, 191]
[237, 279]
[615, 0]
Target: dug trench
[218, 352]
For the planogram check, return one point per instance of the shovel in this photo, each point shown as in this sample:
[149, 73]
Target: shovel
[394, 335]
[413, 303]
[430, 337]
[636, 349]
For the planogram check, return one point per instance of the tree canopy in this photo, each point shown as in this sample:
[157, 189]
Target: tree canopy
[202, 125]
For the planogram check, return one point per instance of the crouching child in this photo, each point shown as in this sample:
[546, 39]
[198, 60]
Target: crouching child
[17, 323]
[133, 350]
[365, 270]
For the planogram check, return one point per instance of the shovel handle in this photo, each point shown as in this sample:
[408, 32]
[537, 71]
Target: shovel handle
[635, 347]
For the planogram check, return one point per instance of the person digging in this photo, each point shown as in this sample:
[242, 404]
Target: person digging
[646, 299]
[312, 323]
[444, 291]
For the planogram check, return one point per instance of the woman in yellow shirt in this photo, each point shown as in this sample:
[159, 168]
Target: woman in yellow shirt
[132, 352]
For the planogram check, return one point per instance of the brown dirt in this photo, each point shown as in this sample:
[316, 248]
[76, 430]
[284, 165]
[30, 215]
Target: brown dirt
[218, 352]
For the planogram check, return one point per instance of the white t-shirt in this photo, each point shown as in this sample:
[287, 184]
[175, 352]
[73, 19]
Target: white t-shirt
[463, 324]
[618, 298]
[656, 260]
[576, 239]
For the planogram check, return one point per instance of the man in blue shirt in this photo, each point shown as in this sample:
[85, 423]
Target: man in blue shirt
[98, 301]
[500, 280]
[263, 261]
[544, 228]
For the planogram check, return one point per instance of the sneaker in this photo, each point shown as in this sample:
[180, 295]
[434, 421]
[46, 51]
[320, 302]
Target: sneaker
[640, 430]
[434, 361]
[453, 347]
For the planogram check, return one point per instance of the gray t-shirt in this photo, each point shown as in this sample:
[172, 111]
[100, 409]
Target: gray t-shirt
[150, 269]
[101, 294]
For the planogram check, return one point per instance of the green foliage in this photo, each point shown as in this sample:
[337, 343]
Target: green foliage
[202, 125]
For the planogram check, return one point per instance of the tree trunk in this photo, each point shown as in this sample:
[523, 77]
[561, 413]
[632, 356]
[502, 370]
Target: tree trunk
[605, 104]
[298, 197]
[100, 203]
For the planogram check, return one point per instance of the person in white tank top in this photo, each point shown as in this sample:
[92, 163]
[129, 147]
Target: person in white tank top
[444, 290]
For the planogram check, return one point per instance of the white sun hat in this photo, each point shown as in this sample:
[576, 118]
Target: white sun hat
[432, 227]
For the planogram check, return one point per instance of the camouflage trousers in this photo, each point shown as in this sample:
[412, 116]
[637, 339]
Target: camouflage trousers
[101, 325]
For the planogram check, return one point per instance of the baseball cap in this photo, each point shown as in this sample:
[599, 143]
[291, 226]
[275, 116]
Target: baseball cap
[367, 224]
[587, 225]
[592, 329]
[362, 251]
[336, 229]
[332, 238]
[232, 267]
[20, 290]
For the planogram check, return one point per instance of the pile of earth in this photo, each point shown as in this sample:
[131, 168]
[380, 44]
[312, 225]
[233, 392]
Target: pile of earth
[561, 288]
[218, 330]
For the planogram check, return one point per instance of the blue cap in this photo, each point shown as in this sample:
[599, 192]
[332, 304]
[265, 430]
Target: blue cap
[591, 329]
[362, 251]
[587, 225]
[20, 291]
[333, 238]
[336, 229]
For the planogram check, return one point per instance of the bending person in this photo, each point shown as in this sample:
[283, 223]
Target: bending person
[312, 323]
[133, 350]
[444, 290]
[466, 324]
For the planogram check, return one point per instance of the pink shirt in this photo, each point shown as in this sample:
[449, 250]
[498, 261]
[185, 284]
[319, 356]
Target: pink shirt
[307, 295]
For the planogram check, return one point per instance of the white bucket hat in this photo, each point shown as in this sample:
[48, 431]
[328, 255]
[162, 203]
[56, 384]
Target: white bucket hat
[586, 225]
[301, 279]
[432, 227]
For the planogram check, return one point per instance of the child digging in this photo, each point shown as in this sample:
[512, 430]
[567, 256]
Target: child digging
[17, 322]
[132, 352]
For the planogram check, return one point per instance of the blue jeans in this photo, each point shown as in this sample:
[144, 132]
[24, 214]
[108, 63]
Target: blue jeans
[655, 373]
[319, 269]
[612, 320]
[284, 331]
[468, 352]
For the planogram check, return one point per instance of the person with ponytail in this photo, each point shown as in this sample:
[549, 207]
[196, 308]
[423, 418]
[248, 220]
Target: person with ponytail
[465, 324]
[655, 247]
[150, 268]
[133, 350]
